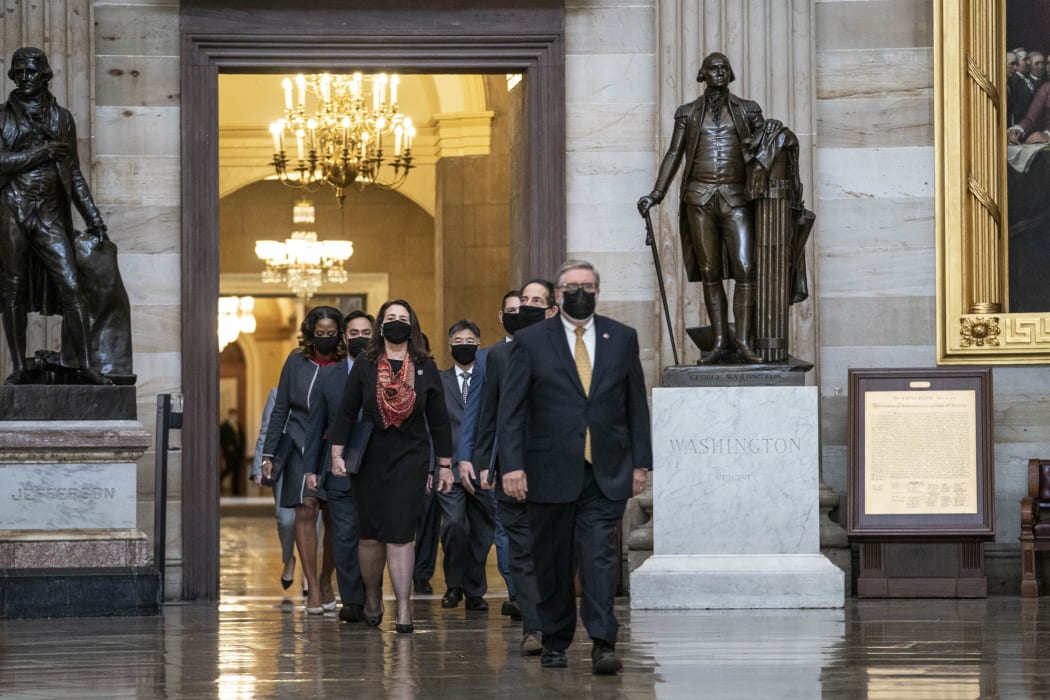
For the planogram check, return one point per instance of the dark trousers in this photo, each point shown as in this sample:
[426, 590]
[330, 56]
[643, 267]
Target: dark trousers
[427, 539]
[515, 518]
[343, 513]
[466, 538]
[559, 531]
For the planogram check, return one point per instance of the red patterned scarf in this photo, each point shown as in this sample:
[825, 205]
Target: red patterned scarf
[395, 393]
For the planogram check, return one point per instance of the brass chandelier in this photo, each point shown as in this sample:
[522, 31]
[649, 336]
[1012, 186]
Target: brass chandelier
[301, 261]
[341, 142]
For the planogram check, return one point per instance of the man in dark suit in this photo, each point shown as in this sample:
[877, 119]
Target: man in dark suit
[574, 441]
[331, 380]
[537, 303]
[467, 532]
[231, 442]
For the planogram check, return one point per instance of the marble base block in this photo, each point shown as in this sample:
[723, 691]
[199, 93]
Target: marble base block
[68, 513]
[736, 519]
[691, 582]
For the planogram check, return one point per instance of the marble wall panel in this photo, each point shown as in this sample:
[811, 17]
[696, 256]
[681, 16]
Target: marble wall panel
[875, 72]
[898, 320]
[609, 127]
[142, 81]
[862, 222]
[877, 272]
[875, 122]
[833, 470]
[611, 78]
[624, 276]
[137, 30]
[881, 173]
[143, 229]
[624, 29]
[137, 131]
[835, 362]
[151, 279]
[615, 224]
[156, 328]
[158, 373]
[873, 24]
[601, 177]
[137, 180]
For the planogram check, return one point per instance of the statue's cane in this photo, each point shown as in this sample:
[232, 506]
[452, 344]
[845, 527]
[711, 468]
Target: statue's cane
[650, 241]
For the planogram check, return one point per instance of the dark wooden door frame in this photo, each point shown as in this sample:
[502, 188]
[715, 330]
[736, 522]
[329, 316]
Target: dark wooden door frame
[541, 217]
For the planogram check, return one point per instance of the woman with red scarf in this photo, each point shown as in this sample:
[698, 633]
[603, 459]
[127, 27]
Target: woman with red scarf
[395, 385]
[320, 343]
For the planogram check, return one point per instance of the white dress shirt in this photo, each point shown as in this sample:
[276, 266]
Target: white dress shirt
[588, 337]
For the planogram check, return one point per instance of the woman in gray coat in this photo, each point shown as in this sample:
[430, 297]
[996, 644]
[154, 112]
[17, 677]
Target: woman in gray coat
[320, 343]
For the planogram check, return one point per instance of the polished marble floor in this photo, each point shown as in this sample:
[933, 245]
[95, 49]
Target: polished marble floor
[257, 644]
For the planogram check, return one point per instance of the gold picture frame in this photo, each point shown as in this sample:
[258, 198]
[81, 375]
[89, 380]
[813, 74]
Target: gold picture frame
[974, 325]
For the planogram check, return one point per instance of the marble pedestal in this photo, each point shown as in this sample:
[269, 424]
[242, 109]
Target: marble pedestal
[735, 492]
[68, 504]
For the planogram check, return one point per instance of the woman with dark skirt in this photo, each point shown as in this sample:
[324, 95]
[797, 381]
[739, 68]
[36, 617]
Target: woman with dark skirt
[320, 343]
[396, 387]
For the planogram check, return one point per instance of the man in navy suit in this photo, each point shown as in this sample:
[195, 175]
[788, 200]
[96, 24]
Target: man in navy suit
[331, 380]
[467, 533]
[537, 304]
[574, 443]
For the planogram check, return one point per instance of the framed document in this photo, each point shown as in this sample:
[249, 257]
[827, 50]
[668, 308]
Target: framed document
[920, 462]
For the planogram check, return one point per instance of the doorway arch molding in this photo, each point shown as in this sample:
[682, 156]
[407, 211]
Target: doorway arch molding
[245, 36]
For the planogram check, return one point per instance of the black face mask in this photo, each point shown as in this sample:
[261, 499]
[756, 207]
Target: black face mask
[326, 346]
[355, 346]
[579, 304]
[511, 323]
[464, 354]
[397, 332]
[529, 315]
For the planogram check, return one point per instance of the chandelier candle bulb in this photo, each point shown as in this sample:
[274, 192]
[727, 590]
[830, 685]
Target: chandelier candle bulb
[299, 145]
[287, 85]
[398, 131]
[300, 82]
[394, 82]
[276, 131]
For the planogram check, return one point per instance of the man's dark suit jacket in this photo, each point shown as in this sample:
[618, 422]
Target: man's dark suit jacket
[485, 449]
[454, 404]
[544, 413]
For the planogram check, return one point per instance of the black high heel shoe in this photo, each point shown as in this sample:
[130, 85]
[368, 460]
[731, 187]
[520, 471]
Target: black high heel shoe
[286, 583]
[404, 629]
[374, 620]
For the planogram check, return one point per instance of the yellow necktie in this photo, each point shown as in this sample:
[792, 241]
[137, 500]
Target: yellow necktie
[583, 368]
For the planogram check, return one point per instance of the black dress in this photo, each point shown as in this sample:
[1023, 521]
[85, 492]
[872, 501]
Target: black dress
[389, 489]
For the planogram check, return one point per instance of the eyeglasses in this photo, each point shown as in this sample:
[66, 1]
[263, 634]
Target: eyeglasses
[588, 287]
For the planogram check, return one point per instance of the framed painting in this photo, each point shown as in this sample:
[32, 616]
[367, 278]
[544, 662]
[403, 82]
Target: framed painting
[993, 238]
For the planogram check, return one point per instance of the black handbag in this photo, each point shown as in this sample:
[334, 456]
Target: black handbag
[354, 452]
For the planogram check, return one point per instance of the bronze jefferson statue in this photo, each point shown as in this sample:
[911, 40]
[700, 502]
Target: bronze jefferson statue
[46, 266]
[732, 158]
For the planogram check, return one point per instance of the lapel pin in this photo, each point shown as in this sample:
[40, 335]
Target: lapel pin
[605, 336]
[419, 372]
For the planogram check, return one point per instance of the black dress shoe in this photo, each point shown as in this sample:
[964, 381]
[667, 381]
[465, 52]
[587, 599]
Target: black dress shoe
[352, 613]
[604, 660]
[510, 609]
[451, 598]
[553, 658]
[422, 586]
[477, 603]
[407, 628]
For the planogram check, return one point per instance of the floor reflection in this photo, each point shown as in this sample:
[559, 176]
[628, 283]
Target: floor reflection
[259, 644]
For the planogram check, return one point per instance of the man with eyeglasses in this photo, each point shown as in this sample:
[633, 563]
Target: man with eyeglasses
[537, 304]
[574, 445]
[467, 531]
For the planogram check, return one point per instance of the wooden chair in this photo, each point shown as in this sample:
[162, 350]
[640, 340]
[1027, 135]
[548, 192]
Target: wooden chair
[1035, 523]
